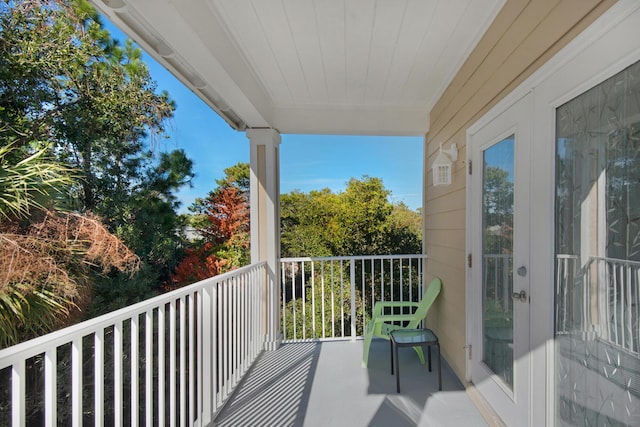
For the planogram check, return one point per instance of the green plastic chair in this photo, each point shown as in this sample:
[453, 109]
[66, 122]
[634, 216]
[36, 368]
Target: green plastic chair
[382, 324]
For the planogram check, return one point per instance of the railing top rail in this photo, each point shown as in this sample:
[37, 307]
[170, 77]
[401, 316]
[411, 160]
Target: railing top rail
[350, 257]
[566, 256]
[617, 261]
[596, 258]
[35, 346]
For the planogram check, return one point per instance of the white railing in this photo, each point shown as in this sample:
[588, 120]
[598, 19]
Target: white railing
[171, 360]
[333, 297]
[601, 298]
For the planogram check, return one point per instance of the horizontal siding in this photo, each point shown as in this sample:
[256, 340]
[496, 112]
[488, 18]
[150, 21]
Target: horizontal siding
[524, 35]
[453, 201]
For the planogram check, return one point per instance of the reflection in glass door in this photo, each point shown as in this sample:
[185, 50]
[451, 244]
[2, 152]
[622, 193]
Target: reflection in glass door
[497, 255]
[597, 325]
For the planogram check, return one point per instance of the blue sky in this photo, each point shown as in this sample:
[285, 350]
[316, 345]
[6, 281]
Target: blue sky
[307, 162]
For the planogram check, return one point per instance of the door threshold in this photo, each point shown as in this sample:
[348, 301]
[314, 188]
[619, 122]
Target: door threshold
[487, 412]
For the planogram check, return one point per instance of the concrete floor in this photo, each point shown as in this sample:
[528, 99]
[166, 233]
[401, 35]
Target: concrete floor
[316, 384]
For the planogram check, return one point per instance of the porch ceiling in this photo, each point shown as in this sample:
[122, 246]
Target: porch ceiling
[369, 67]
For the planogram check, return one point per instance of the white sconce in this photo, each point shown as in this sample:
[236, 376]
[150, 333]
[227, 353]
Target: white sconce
[442, 166]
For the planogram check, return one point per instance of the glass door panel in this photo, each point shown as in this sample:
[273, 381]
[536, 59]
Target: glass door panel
[597, 214]
[497, 257]
[498, 261]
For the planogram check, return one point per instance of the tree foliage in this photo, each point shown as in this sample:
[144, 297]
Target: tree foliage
[223, 221]
[80, 122]
[46, 255]
[64, 79]
[358, 221]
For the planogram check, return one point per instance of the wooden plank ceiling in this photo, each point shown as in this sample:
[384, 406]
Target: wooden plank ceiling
[369, 67]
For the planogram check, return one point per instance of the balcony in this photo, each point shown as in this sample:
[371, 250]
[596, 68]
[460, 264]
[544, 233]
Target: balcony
[196, 355]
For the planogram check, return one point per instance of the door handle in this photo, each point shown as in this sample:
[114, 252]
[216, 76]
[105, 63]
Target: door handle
[520, 296]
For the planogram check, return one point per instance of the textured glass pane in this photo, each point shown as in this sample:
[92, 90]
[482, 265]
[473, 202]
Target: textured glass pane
[497, 274]
[598, 255]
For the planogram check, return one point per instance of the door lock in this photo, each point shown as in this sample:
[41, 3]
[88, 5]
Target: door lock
[520, 296]
[522, 271]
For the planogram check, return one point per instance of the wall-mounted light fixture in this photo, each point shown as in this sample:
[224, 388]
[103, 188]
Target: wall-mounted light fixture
[442, 166]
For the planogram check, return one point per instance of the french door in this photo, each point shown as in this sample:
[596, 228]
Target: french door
[499, 261]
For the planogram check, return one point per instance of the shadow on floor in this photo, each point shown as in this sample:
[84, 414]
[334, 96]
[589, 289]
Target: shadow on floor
[320, 384]
[276, 390]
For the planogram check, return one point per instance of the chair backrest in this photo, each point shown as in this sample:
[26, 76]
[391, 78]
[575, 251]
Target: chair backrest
[429, 297]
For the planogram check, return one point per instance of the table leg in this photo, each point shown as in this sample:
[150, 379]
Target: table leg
[439, 367]
[429, 356]
[397, 369]
[391, 351]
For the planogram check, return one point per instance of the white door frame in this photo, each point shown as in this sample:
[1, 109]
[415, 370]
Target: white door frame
[512, 404]
[606, 47]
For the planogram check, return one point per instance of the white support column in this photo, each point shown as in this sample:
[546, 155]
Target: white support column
[265, 222]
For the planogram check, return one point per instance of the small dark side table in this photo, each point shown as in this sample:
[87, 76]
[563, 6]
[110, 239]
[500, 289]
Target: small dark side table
[414, 338]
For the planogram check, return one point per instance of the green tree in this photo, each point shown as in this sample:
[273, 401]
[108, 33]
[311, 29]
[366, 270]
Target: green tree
[498, 217]
[358, 221]
[308, 223]
[404, 230]
[65, 83]
[65, 80]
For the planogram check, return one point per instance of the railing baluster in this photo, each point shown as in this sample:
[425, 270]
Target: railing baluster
[194, 395]
[18, 393]
[216, 354]
[293, 302]
[352, 282]
[322, 302]
[242, 328]
[614, 289]
[183, 362]
[135, 394]
[410, 267]
[382, 279]
[401, 281]
[373, 285]
[172, 363]
[234, 329]
[98, 370]
[341, 299]
[393, 298]
[313, 300]
[222, 343]
[333, 303]
[628, 342]
[364, 295]
[148, 370]
[76, 382]
[117, 373]
[205, 362]
[50, 385]
[303, 296]
[161, 364]
[284, 300]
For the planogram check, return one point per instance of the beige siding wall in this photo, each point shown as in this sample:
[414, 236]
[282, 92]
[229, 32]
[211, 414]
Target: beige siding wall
[524, 35]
